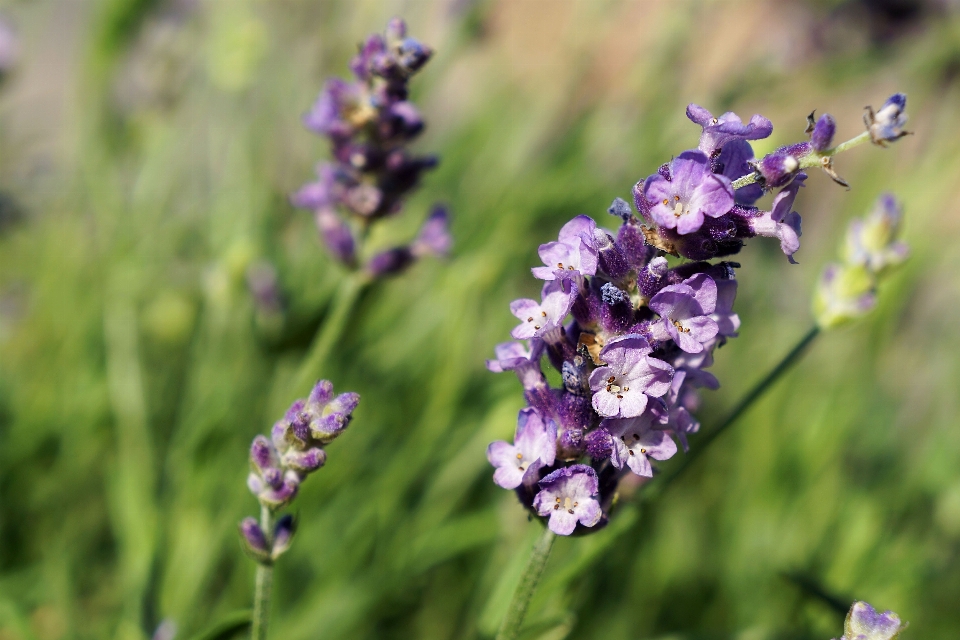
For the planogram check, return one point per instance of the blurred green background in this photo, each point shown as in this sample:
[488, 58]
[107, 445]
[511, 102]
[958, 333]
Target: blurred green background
[147, 148]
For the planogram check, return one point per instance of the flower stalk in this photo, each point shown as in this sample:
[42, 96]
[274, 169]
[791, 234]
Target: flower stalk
[263, 586]
[529, 579]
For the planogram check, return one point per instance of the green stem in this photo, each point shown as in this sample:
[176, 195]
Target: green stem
[745, 403]
[513, 619]
[330, 331]
[261, 593]
[813, 159]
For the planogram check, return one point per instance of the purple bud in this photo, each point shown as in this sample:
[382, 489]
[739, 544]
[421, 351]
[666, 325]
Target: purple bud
[616, 314]
[633, 245]
[321, 394]
[598, 445]
[336, 235]
[611, 259]
[822, 136]
[434, 237]
[390, 262]
[283, 535]
[396, 29]
[254, 541]
[300, 426]
[778, 168]
[651, 279]
[305, 461]
[345, 403]
[261, 453]
[412, 55]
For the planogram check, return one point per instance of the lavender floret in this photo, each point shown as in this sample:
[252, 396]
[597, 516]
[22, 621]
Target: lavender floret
[568, 496]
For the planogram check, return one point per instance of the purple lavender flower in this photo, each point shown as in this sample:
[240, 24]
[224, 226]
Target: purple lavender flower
[634, 355]
[568, 496]
[628, 378]
[692, 192]
[886, 125]
[685, 310]
[719, 131]
[536, 318]
[574, 254]
[636, 440]
[865, 623]
[534, 446]
[279, 465]
[369, 122]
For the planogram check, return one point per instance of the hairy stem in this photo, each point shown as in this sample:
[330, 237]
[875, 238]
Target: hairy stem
[513, 619]
[745, 403]
[330, 331]
[812, 160]
[264, 583]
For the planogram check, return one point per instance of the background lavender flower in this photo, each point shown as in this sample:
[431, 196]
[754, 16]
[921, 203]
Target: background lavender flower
[279, 464]
[866, 623]
[847, 291]
[370, 123]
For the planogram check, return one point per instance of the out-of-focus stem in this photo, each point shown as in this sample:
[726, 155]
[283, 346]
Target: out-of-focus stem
[332, 328]
[513, 620]
[264, 583]
[812, 160]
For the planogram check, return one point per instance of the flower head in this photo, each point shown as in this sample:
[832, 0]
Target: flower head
[568, 496]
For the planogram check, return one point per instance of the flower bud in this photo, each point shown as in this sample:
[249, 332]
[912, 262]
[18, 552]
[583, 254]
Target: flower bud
[865, 623]
[821, 138]
[886, 125]
[283, 536]
[610, 259]
[843, 294]
[253, 540]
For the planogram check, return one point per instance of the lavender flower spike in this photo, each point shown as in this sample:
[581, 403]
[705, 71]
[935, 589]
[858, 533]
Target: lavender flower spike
[865, 623]
[534, 446]
[718, 131]
[622, 386]
[568, 496]
[692, 192]
[685, 310]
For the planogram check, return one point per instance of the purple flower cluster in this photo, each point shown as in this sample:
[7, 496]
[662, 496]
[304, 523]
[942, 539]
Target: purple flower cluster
[631, 333]
[294, 450]
[369, 122]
